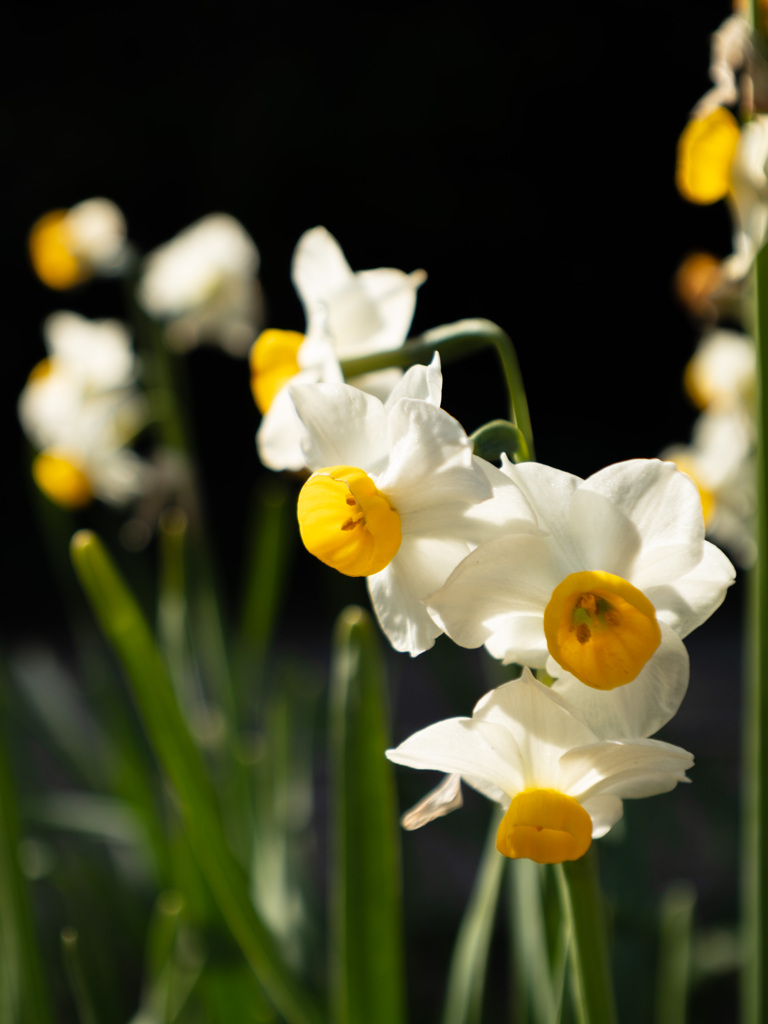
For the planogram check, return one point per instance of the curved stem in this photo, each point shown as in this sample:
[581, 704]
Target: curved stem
[454, 341]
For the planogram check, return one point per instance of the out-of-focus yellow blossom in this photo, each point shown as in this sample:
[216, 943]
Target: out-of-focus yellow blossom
[203, 283]
[68, 247]
[697, 282]
[560, 785]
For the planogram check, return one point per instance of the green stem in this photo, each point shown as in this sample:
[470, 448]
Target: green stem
[579, 885]
[755, 780]
[455, 341]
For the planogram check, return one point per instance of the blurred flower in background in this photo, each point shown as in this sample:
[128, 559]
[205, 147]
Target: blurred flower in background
[68, 247]
[203, 286]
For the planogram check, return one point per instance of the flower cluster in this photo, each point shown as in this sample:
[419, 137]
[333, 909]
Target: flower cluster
[591, 583]
[721, 158]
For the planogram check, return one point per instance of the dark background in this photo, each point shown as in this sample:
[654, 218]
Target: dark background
[526, 165]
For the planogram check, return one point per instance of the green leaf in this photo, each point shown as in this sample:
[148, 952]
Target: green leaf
[23, 991]
[366, 949]
[125, 626]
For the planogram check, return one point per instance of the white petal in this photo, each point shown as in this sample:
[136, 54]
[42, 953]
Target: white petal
[543, 725]
[430, 459]
[604, 811]
[397, 592]
[475, 750]
[641, 707]
[548, 492]
[376, 314]
[318, 269]
[506, 576]
[422, 382]
[693, 598]
[664, 508]
[280, 434]
[345, 427]
[631, 768]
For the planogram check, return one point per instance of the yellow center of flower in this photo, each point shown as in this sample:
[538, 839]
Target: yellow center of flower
[274, 361]
[50, 250]
[347, 523]
[546, 826]
[705, 152]
[62, 480]
[600, 628]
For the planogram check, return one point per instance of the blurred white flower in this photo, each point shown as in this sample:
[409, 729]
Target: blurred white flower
[529, 750]
[204, 284]
[397, 495]
[720, 461]
[80, 408]
[602, 599]
[721, 372]
[347, 314]
[67, 247]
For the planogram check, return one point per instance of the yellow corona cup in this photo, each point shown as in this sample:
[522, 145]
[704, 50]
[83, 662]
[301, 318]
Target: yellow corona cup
[347, 523]
[546, 826]
[600, 628]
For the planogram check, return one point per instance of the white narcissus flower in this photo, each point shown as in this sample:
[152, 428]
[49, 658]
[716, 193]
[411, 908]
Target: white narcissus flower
[80, 407]
[67, 247]
[601, 600]
[347, 314]
[560, 785]
[204, 284]
[397, 495]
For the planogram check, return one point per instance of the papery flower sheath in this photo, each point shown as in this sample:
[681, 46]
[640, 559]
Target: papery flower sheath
[67, 247]
[397, 495]
[203, 284]
[602, 599]
[529, 750]
[347, 314]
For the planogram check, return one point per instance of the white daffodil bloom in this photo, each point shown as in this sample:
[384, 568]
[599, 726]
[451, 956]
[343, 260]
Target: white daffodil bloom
[731, 48]
[396, 495]
[718, 159]
[80, 407]
[347, 314]
[720, 461]
[67, 247]
[560, 785]
[204, 284]
[601, 600]
[721, 372]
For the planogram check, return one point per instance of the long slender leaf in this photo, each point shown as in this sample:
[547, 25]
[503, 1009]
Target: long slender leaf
[674, 960]
[367, 950]
[126, 628]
